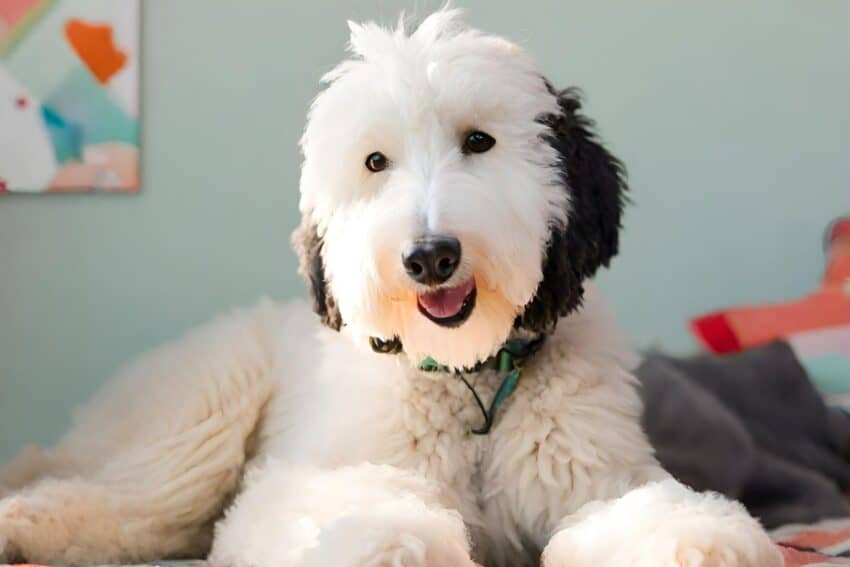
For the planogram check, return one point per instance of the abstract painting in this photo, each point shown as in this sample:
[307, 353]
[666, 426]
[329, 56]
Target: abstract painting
[69, 95]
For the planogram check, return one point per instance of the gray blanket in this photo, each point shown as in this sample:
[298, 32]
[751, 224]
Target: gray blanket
[752, 427]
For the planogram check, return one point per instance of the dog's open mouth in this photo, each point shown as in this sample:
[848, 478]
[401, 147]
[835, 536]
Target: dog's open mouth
[449, 306]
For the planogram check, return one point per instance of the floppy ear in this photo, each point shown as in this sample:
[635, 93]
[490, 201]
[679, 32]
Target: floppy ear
[308, 247]
[595, 182]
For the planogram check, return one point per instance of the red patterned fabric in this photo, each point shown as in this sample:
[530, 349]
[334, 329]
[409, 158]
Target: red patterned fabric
[826, 543]
[737, 328]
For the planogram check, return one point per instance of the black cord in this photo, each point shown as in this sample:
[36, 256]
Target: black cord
[488, 417]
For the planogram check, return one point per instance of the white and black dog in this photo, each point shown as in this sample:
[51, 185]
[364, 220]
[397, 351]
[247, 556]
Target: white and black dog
[466, 402]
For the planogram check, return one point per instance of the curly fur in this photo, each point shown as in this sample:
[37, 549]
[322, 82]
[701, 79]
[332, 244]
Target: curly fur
[308, 248]
[595, 181]
[303, 447]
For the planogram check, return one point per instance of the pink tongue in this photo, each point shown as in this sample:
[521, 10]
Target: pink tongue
[446, 302]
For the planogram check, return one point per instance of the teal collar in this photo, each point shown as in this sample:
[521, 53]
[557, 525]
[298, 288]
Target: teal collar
[509, 359]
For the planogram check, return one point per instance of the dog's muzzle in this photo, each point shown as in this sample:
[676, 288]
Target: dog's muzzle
[431, 261]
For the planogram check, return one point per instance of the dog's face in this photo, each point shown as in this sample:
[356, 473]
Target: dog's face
[449, 194]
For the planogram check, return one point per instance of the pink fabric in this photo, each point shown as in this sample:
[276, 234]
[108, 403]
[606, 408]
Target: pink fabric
[824, 341]
[13, 11]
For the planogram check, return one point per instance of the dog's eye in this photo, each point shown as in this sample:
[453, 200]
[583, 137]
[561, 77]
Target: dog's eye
[478, 142]
[376, 162]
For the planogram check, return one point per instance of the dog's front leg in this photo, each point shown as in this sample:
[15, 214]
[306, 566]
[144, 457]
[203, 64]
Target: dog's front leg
[661, 524]
[367, 515]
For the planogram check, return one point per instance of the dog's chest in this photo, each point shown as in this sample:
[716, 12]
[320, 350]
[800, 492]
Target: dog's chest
[380, 409]
[445, 404]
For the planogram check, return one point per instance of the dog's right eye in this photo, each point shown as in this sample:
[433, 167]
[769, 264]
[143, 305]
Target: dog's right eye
[478, 142]
[376, 162]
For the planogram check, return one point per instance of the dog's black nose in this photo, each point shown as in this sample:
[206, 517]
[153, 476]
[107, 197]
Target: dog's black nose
[431, 260]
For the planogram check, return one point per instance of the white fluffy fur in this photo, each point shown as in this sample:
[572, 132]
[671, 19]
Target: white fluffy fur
[416, 97]
[357, 458]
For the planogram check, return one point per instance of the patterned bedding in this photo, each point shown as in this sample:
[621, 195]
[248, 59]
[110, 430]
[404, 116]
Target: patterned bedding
[825, 543]
[822, 544]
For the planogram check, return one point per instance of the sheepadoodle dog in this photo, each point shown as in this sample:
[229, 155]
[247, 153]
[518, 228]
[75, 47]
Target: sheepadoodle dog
[463, 401]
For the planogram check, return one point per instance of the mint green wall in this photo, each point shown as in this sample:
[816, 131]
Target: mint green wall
[733, 118]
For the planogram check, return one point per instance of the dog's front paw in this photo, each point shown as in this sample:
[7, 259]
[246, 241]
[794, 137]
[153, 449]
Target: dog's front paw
[356, 516]
[712, 548]
[662, 525]
[393, 547]
[396, 533]
[393, 534]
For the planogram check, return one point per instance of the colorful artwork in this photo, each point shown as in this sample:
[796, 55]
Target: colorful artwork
[69, 95]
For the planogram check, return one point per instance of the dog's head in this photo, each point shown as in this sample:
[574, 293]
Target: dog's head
[449, 194]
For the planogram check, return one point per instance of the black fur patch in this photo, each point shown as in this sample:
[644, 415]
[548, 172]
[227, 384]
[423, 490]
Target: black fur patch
[595, 181]
[308, 247]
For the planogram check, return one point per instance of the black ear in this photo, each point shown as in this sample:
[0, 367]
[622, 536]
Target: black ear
[595, 182]
[308, 247]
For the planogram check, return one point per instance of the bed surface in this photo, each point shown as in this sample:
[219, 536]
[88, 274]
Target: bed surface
[823, 544]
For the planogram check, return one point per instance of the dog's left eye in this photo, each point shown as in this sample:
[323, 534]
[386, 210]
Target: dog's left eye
[376, 162]
[478, 142]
